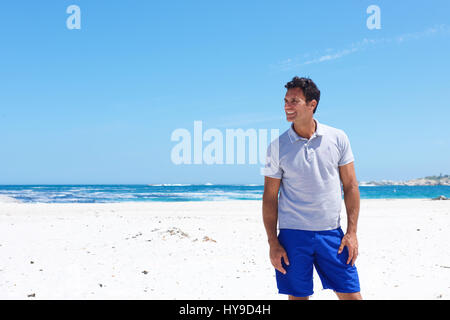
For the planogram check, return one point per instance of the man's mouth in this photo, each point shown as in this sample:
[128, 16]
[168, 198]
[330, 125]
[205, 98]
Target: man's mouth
[290, 113]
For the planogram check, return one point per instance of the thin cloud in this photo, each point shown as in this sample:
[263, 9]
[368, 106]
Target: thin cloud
[334, 54]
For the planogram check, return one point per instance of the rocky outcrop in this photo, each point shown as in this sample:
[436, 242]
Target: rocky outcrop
[427, 181]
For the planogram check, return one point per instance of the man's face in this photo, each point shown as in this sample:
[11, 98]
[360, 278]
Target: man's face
[295, 105]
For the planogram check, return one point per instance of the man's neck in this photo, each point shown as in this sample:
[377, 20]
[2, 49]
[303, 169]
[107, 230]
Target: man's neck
[305, 129]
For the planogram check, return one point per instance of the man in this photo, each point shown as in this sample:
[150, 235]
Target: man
[306, 164]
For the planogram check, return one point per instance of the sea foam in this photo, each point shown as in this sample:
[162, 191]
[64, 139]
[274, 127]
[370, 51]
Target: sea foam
[7, 199]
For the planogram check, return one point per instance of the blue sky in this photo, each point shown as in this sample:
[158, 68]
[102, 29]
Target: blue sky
[98, 105]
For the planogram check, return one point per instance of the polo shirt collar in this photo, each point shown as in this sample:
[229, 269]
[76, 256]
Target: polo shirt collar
[293, 136]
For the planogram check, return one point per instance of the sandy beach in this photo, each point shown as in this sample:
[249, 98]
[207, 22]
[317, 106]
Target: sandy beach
[205, 250]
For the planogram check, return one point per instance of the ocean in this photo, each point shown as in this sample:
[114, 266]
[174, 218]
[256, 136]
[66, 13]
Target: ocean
[186, 192]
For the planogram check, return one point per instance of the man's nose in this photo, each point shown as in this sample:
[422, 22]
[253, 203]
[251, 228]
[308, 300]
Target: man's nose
[287, 106]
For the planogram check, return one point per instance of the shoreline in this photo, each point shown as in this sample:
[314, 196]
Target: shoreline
[187, 194]
[16, 201]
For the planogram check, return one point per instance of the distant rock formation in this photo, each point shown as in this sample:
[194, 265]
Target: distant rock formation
[440, 198]
[427, 181]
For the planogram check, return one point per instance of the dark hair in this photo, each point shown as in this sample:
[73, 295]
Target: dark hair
[309, 88]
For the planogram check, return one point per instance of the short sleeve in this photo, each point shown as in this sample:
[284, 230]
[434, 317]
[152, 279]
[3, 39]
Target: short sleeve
[272, 166]
[346, 154]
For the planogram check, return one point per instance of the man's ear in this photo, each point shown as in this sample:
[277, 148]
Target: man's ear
[313, 104]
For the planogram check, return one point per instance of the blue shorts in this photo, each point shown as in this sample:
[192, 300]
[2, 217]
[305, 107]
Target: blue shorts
[319, 248]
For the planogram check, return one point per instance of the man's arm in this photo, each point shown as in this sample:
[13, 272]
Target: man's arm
[270, 219]
[270, 208]
[351, 198]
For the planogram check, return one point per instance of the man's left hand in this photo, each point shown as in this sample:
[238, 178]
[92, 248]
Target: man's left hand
[351, 242]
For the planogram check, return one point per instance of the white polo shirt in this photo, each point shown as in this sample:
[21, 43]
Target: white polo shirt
[310, 191]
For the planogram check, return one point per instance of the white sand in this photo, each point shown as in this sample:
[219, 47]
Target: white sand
[159, 251]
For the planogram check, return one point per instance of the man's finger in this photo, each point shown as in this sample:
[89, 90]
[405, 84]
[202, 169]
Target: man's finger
[350, 255]
[355, 255]
[280, 268]
[276, 262]
[285, 257]
[341, 247]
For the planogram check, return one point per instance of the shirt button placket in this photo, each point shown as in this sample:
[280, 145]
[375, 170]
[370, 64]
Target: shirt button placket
[308, 158]
[307, 149]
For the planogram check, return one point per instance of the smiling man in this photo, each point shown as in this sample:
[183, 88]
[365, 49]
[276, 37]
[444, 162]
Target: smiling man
[306, 166]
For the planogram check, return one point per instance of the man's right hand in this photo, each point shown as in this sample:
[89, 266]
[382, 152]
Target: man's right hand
[276, 253]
